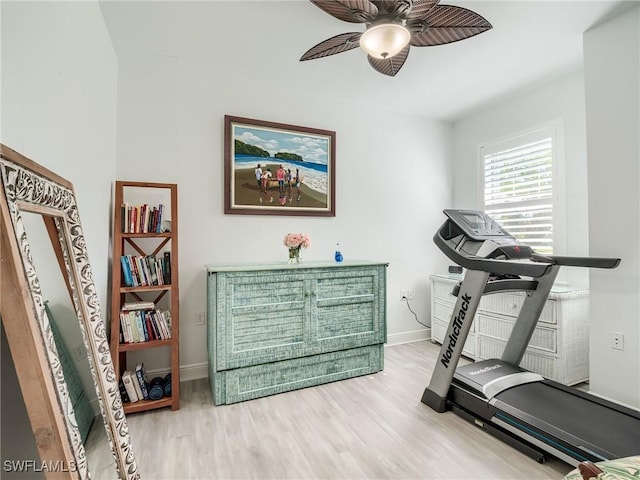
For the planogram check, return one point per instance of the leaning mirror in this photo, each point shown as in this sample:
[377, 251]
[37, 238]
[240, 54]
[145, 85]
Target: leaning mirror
[49, 328]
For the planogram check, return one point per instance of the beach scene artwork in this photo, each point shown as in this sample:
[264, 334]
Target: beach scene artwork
[279, 169]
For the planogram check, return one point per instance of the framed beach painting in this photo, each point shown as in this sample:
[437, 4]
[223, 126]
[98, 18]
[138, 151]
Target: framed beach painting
[278, 169]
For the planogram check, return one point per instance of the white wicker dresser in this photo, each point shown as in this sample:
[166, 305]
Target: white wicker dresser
[559, 347]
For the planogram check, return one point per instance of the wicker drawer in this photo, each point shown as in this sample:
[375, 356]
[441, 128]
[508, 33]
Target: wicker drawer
[500, 328]
[510, 304]
[438, 331]
[541, 363]
[441, 290]
[442, 312]
[241, 384]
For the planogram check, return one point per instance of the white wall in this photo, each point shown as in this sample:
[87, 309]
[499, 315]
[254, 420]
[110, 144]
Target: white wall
[563, 100]
[59, 87]
[393, 180]
[612, 79]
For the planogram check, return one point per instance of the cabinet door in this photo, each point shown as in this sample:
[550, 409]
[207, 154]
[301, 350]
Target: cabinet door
[260, 317]
[348, 308]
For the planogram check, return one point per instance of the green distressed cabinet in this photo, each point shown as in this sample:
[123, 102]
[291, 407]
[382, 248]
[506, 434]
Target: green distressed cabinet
[276, 328]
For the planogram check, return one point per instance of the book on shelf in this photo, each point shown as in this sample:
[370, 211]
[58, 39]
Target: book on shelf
[129, 386]
[166, 268]
[138, 305]
[151, 269]
[142, 380]
[151, 334]
[141, 218]
[123, 392]
[126, 272]
[142, 334]
[125, 328]
[164, 326]
[136, 385]
[166, 316]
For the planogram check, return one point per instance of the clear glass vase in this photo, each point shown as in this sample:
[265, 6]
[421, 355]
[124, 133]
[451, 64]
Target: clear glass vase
[294, 254]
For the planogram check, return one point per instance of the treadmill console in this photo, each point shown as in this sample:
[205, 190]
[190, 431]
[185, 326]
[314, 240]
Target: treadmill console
[475, 241]
[469, 235]
[476, 225]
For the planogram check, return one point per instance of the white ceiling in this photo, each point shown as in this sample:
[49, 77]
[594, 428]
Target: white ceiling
[532, 42]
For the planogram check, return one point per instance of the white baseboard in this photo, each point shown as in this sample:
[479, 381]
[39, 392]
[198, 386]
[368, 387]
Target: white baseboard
[408, 337]
[187, 372]
[194, 371]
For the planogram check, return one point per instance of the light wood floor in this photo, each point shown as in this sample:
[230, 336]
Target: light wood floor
[372, 427]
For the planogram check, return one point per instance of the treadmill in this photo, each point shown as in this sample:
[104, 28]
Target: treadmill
[538, 416]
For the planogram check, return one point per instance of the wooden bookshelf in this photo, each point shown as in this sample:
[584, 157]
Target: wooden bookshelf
[143, 241]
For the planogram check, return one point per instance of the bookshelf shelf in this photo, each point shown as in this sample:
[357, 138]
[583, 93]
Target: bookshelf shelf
[128, 347]
[150, 288]
[144, 405]
[148, 235]
[147, 273]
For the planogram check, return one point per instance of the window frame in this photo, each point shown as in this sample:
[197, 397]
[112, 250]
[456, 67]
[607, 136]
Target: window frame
[554, 129]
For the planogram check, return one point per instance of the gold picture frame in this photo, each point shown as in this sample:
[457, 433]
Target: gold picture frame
[278, 169]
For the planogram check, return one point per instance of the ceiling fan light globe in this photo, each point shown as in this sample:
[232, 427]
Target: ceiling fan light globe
[384, 40]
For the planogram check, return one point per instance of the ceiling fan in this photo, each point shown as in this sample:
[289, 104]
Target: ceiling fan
[393, 26]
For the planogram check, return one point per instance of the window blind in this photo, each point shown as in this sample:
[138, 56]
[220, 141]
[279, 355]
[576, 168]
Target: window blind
[518, 189]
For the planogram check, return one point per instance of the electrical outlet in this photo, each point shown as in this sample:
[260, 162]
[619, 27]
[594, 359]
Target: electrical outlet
[406, 294]
[199, 318]
[616, 340]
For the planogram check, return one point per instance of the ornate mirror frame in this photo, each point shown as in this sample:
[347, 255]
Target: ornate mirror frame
[29, 187]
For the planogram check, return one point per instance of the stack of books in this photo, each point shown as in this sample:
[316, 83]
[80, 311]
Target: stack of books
[134, 385]
[141, 218]
[144, 271]
[143, 322]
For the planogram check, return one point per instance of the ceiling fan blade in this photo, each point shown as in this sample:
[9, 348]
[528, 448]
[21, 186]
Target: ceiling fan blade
[446, 24]
[421, 8]
[392, 65]
[354, 11]
[338, 44]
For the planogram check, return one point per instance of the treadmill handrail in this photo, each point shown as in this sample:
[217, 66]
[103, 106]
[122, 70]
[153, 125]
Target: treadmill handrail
[503, 285]
[492, 265]
[592, 262]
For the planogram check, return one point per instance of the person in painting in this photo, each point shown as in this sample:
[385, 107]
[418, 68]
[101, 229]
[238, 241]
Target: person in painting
[258, 172]
[298, 180]
[264, 182]
[289, 182]
[281, 175]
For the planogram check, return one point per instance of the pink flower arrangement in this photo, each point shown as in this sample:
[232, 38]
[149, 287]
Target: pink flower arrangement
[297, 240]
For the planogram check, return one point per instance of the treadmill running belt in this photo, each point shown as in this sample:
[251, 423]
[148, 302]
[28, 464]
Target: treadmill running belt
[614, 431]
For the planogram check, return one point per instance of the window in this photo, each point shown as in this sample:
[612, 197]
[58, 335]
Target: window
[519, 185]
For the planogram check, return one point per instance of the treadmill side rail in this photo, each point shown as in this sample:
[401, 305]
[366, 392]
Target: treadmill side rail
[466, 305]
[528, 316]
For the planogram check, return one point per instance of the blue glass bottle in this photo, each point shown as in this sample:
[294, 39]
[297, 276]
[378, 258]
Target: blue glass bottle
[338, 256]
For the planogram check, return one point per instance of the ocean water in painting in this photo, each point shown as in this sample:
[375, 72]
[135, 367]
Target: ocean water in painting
[314, 174]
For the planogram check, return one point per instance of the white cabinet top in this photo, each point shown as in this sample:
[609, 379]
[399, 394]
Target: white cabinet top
[238, 267]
